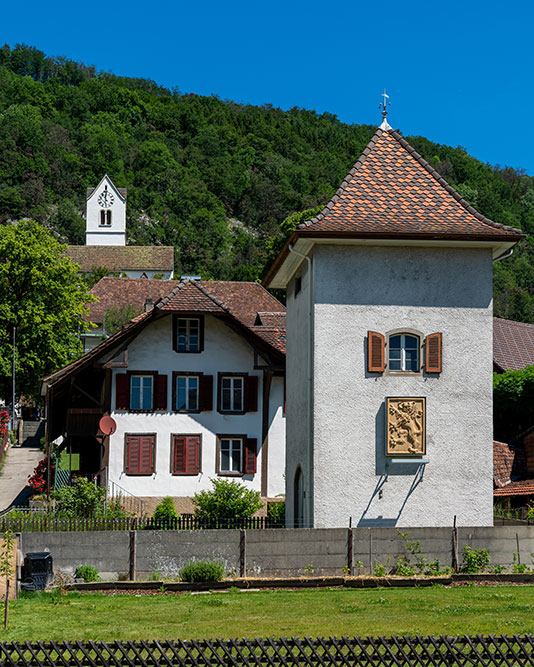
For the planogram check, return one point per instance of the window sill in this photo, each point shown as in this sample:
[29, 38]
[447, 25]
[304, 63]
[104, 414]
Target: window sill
[230, 474]
[187, 412]
[138, 474]
[232, 412]
[186, 474]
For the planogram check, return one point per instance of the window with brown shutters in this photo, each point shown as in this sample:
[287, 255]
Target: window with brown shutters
[237, 393]
[375, 352]
[433, 346]
[139, 456]
[251, 455]
[141, 391]
[185, 455]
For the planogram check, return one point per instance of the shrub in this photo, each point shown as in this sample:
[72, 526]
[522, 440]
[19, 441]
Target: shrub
[84, 500]
[277, 513]
[227, 500]
[202, 570]
[474, 560]
[87, 573]
[165, 510]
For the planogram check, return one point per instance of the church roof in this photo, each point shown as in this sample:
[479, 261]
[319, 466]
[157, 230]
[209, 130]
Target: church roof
[391, 192]
[122, 258]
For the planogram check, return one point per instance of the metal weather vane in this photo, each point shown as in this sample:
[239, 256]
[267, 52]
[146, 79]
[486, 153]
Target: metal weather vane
[384, 104]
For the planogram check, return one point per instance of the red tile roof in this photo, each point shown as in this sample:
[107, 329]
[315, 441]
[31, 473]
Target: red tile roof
[508, 463]
[392, 190]
[513, 344]
[524, 487]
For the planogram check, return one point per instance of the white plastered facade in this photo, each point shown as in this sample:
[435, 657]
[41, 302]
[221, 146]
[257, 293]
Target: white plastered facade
[383, 289]
[224, 351]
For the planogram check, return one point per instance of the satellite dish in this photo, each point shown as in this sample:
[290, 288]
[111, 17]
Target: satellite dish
[107, 425]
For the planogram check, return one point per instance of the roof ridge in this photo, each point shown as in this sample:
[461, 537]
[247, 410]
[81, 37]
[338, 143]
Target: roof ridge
[341, 189]
[522, 324]
[426, 165]
[215, 300]
[190, 281]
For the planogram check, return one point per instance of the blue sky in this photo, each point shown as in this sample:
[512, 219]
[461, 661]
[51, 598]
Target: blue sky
[458, 73]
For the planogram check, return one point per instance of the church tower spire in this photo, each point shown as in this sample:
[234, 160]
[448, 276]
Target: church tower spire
[106, 214]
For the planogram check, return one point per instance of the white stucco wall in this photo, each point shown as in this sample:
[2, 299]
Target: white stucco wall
[115, 234]
[224, 351]
[296, 391]
[277, 439]
[357, 289]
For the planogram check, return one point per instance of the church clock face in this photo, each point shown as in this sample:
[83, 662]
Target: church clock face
[106, 199]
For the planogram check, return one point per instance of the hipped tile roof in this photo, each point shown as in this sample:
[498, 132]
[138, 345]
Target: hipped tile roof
[513, 344]
[122, 258]
[392, 190]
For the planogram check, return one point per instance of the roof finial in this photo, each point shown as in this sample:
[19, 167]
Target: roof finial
[384, 106]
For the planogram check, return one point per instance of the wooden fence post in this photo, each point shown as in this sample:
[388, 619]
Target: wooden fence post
[132, 555]
[243, 554]
[350, 546]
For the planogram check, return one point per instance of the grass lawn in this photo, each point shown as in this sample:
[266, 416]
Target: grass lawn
[436, 610]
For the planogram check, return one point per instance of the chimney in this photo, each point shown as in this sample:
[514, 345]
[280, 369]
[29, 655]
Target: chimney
[149, 304]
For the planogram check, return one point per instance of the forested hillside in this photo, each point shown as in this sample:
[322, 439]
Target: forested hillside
[211, 177]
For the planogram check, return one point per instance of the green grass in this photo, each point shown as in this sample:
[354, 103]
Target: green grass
[436, 610]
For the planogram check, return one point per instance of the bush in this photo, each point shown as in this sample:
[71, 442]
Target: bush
[165, 510]
[474, 560]
[227, 500]
[277, 513]
[87, 573]
[84, 500]
[202, 570]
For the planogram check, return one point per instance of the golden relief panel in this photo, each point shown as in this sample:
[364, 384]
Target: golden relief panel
[406, 426]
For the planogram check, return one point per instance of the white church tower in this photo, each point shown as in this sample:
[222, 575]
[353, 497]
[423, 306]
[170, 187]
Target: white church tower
[106, 214]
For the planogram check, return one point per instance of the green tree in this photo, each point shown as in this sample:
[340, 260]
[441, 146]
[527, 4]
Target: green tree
[41, 296]
[117, 316]
[226, 500]
[513, 403]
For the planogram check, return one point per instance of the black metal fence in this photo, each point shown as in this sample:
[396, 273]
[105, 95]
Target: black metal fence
[490, 650]
[42, 523]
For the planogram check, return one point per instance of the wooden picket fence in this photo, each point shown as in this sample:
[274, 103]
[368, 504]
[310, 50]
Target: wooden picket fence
[462, 650]
[42, 523]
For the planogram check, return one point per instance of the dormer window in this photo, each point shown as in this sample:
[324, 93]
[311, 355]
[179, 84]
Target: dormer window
[403, 353]
[105, 218]
[188, 334]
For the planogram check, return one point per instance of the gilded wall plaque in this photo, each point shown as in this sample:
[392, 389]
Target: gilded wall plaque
[405, 426]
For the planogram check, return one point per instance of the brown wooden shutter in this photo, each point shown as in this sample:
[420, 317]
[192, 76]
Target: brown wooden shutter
[132, 454]
[206, 392]
[146, 457]
[122, 392]
[433, 344]
[161, 392]
[251, 393]
[375, 352]
[191, 457]
[179, 454]
[251, 449]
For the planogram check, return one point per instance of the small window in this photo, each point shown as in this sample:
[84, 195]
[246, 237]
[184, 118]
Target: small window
[231, 455]
[403, 353]
[186, 393]
[141, 392]
[232, 393]
[105, 218]
[298, 285]
[188, 334]
[139, 455]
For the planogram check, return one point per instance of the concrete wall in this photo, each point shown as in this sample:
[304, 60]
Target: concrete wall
[224, 351]
[270, 552]
[383, 289]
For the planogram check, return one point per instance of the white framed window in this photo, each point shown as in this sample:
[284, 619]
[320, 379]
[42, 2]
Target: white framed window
[186, 393]
[232, 391]
[188, 334]
[105, 218]
[141, 392]
[404, 352]
[231, 455]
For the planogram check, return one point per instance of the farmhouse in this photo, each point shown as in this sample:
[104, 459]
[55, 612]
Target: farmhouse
[389, 351]
[195, 386]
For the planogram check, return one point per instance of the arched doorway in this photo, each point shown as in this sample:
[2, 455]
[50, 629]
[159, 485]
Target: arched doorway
[298, 504]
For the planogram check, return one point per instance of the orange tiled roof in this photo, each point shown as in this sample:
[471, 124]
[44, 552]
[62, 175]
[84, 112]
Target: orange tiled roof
[524, 487]
[508, 464]
[392, 190]
[513, 344]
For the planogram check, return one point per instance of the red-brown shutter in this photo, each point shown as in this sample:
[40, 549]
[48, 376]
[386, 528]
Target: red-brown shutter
[122, 392]
[433, 344]
[191, 456]
[179, 454]
[251, 393]
[251, 449]
[146, 457]
[161, 392]
[375, 352]
[132, 454]
[206, 392]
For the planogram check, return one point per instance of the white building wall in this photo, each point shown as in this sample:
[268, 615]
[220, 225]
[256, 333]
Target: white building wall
[381, 289]
[102, 235]
[277, 439]
[296, 391]
[224, 351]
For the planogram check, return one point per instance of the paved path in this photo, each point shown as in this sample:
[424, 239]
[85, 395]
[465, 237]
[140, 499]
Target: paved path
[18, 466]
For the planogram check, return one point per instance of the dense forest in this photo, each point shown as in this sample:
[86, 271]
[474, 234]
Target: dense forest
[213, 178]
